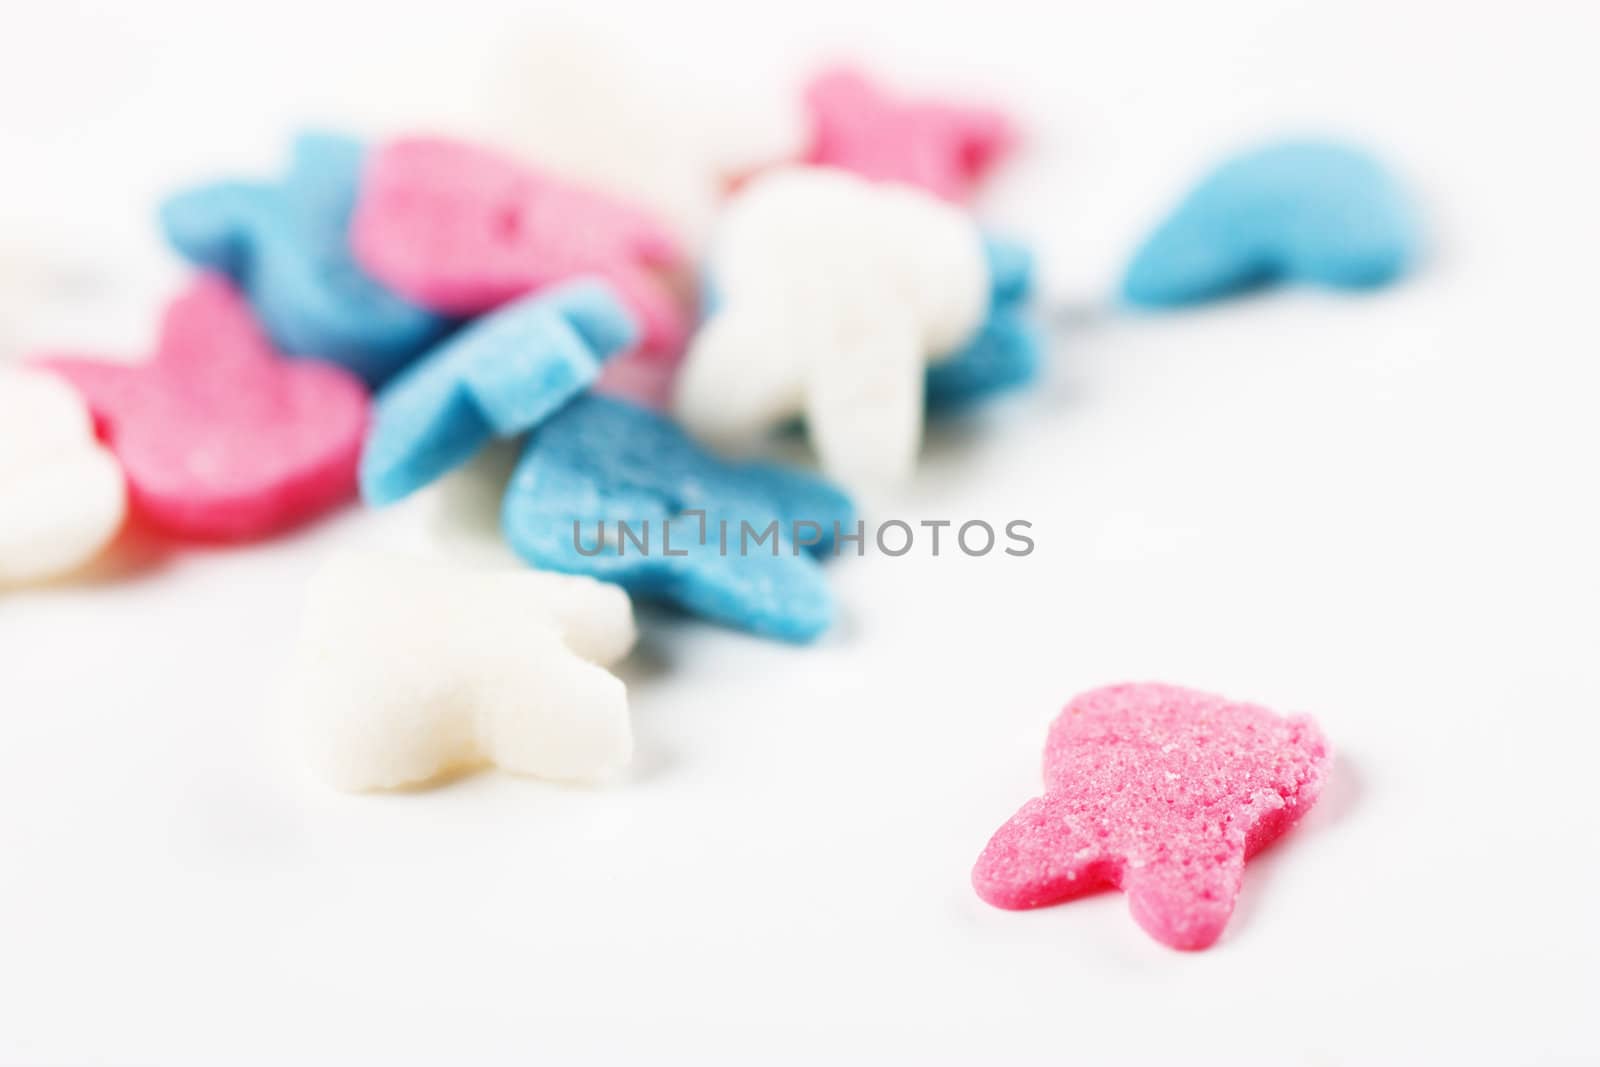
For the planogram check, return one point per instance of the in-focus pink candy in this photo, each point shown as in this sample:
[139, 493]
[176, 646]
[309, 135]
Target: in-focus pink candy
[943, 148]
[462, 229]
[1162, 792]
[220, 436]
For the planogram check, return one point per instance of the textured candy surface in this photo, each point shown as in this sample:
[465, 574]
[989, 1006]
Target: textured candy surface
[1162, 792]
[943, 148]
[406, 671]
[499, 377]
[833, 296]
[221, 437]
[1305, 211]
[285, 244]
[1007, 351]
[600, 462]
[61, 493]
[463, 229]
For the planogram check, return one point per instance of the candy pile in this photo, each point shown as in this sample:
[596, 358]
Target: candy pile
[477, 296]
[379, 314]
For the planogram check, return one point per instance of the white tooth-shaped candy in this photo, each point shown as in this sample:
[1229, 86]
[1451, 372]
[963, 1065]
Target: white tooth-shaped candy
[62, 496]
[833, 294]
[568, 103]
[408, 670]
[572, 99]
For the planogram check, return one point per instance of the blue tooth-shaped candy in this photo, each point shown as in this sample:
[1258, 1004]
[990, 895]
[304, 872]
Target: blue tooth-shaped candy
[498, 377]
[745, 540]
[1305, 211]
[1007, 350]
[284, 245]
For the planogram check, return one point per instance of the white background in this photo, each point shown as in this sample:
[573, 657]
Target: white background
[1380, 510]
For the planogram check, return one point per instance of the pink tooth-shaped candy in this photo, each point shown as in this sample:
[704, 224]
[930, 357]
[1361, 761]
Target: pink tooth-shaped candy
[943, 148]
[462, 229]
[1162, 792]
[221, 437]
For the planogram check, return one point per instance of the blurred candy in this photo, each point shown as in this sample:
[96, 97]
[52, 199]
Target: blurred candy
[833, 296]
[639, 378]
[18, 279]
[732, 543]
[286, 245]
[406, 671]
[1159, 791]
[1007, 351]
[222, 438]
[583, 105]
[463, 511]
[1293, 211]
[499, 377]
[943, 148]
[61, 493]
[463, 229]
